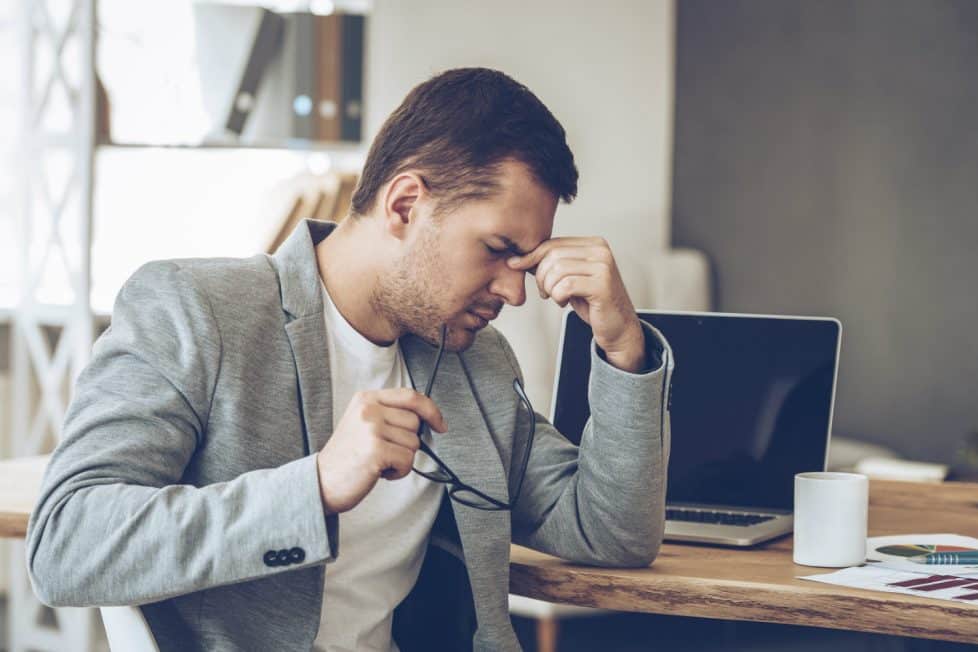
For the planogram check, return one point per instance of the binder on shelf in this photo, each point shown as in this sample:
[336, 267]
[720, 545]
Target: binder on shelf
[328, 56]
[327, 90]
[352, 76]
[264, 46]
[304, 90]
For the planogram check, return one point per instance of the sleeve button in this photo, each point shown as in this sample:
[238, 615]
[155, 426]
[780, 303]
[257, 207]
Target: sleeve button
[297, 555]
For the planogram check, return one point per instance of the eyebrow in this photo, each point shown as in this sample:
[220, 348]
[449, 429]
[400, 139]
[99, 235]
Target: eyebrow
[511, 246]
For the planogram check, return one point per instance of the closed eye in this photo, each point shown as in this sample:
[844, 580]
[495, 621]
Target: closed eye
[496, 252]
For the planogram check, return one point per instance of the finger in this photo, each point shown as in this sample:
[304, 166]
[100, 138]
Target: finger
[418, 403]
[400, 418]
[580, 252]
[529, 260]
[561, 269]
[400, 437]
[553, 265]
[533, 258]
[398, 463]
[570, 287]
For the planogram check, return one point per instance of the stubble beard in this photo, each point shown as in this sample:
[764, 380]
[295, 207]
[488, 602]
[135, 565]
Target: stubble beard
[407, 297]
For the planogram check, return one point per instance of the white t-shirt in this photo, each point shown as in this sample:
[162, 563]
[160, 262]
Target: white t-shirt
[383, 539]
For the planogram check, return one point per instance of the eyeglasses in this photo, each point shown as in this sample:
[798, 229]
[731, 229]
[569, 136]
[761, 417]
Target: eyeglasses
[458, 490]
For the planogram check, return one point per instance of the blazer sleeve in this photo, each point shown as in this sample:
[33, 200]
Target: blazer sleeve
[113, 524]
[603, 503]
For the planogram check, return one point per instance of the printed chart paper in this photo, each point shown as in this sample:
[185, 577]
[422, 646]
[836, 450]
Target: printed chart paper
[893, 552]
[939, 586]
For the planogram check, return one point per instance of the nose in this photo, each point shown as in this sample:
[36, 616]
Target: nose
[510, 284]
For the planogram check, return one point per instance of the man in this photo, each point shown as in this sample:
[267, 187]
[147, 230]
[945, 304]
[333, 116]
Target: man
[237, 458]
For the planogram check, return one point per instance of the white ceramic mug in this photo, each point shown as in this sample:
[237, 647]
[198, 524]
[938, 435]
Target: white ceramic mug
[831, 510]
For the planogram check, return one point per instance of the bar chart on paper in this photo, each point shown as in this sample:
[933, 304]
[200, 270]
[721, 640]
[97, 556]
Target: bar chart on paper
[965, 588]
[876, 578]
[888, 568]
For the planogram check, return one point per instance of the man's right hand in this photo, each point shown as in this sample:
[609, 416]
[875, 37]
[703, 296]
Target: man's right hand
[376, 438]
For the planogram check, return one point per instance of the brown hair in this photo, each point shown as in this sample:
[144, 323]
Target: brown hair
[456, 128]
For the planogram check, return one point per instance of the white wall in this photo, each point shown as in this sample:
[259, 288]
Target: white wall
[605, 70]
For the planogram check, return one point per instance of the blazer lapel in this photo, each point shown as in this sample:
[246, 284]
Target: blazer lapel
[302, 300]
[307, 336]
[468, 450]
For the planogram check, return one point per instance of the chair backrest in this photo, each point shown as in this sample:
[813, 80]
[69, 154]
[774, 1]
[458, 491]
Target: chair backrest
[127, 630]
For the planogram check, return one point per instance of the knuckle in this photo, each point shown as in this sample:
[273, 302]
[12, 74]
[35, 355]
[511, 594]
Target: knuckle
[363, 411]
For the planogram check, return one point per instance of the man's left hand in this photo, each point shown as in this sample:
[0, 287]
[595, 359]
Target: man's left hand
[583, 273]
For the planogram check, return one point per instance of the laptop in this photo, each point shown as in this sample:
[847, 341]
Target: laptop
[751, 405]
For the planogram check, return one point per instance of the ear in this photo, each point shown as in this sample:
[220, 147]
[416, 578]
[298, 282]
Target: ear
[401, 202]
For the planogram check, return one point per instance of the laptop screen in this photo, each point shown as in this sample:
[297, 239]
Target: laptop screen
[751, 402]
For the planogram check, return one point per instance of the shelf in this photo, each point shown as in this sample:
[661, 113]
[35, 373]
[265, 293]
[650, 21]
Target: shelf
[297, 145]
[52, 314]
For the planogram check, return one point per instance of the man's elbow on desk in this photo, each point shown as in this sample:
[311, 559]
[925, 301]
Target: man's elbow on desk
[67, 561]
[48, 579]
[639, 554]
[636, 547]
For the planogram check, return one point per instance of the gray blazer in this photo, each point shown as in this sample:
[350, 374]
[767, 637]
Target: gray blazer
[186, 482]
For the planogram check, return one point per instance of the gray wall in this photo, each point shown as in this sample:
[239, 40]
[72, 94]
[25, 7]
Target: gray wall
[826, 158]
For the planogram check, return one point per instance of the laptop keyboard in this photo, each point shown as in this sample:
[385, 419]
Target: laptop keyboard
[715, 517]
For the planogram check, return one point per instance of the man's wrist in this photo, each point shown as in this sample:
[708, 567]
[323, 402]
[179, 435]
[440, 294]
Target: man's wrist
[322, 490]
[629, 356]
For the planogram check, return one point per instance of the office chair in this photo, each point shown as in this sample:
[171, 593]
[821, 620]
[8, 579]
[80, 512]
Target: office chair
[127, 630]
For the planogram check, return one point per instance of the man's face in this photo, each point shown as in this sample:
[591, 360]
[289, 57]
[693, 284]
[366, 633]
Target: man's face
[453, 270]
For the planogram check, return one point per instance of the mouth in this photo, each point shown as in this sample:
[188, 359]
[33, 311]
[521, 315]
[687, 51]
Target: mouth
[487, 315]
[481, 318]
[478, 321]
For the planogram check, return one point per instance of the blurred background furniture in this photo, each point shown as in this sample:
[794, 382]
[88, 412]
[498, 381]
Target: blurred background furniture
[159, 98]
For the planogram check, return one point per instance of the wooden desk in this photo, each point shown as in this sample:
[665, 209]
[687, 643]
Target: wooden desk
[760, 584]
[757, 584]
[20, 484]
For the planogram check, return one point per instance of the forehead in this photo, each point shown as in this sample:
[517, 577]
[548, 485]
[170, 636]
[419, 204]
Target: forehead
[522, 211]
